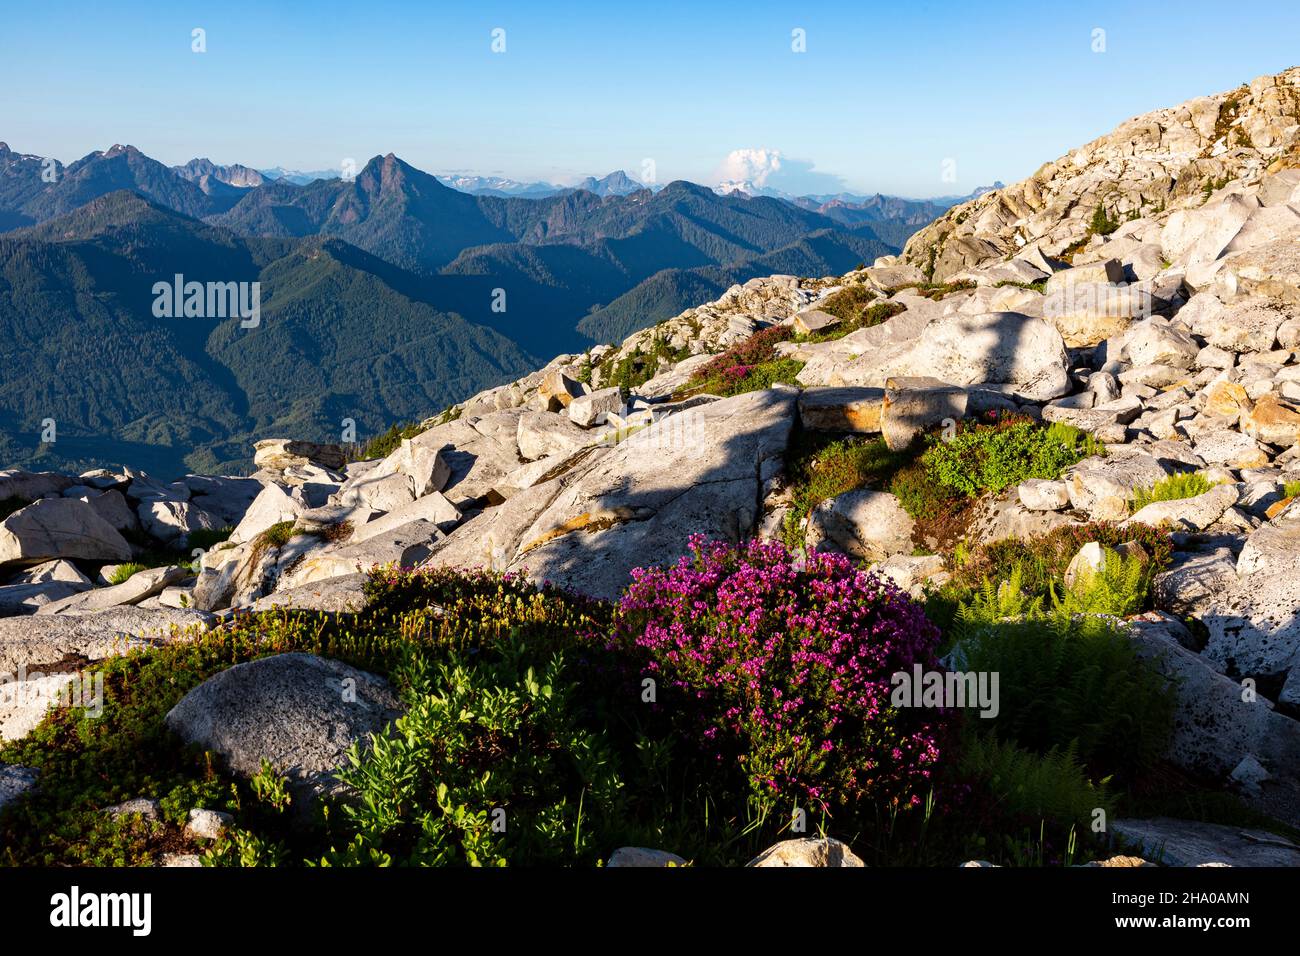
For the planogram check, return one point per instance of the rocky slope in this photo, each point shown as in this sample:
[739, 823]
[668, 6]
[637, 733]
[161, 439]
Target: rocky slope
[1149, 167]
[1171, 339]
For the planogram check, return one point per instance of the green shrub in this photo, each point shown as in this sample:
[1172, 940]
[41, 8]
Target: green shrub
[208, 538]
[1026, 789]
[849, 303]
[1291, 489]
[1042, 559]
[1119, 588]
[381, 446]
[1173, 488]
[751, 365]
[491, 764]
[1101, 224]
[989, 458]
[921, 494]
[1066, 679]
[123, 572]
[819, 470]
[276, 536]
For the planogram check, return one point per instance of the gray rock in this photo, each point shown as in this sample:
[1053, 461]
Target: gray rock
[141, 585]
[1228, 447]
[278, 454]
[810, 321]
[1154, 343]
[641, 857]
[1024, 354]
[112, 507]
[865, 524]
[207, 824]
[144, 807]
[1216, 723]
[1002, 516]
[1253, 625]
[1192, 843]
[1272, 547]
[52, 571]
[543, 434]
[702, 470]
[227, 498]
[590, 410]
[809, 851]
[1242, 325]
[40, 641]
[15, 783]
[1193, 579]
[855, 410]
[271, 506]
[29, 598]
[915, 404]
[172, 521]
[59, 528]
[433, 507]
[423, 467]
[1189, 514]
[25, 702]
[405, 546]
[297, 711]
[1102, 487]
[1038, 494]
[338, 595]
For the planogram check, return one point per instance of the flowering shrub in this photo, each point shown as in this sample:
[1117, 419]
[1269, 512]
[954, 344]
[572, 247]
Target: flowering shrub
[781, 670]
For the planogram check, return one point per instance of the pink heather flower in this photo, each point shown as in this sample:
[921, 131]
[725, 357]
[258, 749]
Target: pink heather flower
[778, 652]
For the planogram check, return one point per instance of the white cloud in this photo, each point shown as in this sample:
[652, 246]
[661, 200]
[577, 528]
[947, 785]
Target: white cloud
[770, 169]
[750, 165]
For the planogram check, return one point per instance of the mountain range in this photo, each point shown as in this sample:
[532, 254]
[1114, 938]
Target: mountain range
[382, 295]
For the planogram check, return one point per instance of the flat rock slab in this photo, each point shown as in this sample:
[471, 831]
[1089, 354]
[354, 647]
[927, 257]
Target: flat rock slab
[298, 711]
[1191, 843]
[60, 528]
[701, 470]
[339, 595]
[842, 409]
[139, 586]
[36, 642]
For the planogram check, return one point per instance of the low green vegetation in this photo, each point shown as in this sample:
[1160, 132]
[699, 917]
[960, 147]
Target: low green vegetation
[1101, 223]
[381, 446]
[749, 366]
[124, 572]
[993, 457]
[640, 365]
[1173, 488]
[849, 303]
[1039, 286]
[819, 470]
[1291, 489]
[934, 290]
[939, 479]
[1038, 563]
[527, 703]
[1067, 680]
[207, 538]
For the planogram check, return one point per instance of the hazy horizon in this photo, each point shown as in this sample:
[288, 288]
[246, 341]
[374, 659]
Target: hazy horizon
[920, 101]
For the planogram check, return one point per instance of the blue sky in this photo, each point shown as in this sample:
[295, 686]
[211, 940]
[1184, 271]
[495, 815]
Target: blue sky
[882, 97]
